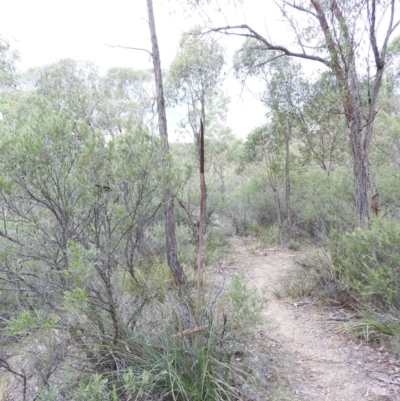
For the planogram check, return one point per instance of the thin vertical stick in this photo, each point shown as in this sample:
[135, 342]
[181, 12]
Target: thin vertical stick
[202, 197]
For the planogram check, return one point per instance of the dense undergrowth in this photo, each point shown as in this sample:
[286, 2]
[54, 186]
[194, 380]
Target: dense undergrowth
[152, 360]
[359, 269]
[88, 306]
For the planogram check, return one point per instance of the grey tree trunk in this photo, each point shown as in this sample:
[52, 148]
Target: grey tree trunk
[171, 245]
[274, 186]
[288, 135]
[336, 22]
[202, 129]
[360, 136]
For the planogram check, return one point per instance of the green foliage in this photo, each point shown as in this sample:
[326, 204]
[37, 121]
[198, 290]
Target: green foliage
[82, 251]
[316, 277]
[268, 235]
[247, 305]
[193, 81]
[83, 275]
[215, 244]
[28, 322]
[360, 267]
[322, 202]
[154, 362]
[367, 261]
[197, 66]
[369, 330]
[293, 245]
[8, 59]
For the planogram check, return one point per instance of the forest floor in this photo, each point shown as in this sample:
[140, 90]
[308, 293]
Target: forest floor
[316, 362]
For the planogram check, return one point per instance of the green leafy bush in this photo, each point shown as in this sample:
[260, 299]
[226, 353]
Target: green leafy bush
[367, 261]
[153, 361]
[322, 202]
[215, 243]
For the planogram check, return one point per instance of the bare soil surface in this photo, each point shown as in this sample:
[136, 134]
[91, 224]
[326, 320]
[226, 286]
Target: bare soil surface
[319, 363]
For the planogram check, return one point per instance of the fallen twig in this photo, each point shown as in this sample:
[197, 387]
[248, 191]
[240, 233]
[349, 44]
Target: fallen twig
[296, 304]
[384, 380]
[188, 332]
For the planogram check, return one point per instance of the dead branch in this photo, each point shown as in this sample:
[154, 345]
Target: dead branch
[130, 48]
[188, 332]
[297, 7]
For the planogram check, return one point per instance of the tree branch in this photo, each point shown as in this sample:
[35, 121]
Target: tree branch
[328, 38]
[255, 35]
[337, 12]
[130, 48]
[300, 8]
[390, 30]
[372, 34]
[4, 364]
[9, 238]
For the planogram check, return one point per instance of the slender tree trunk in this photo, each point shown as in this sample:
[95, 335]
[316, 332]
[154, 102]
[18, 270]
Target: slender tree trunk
[202, 129]
[361, 174]
[171, 245]
[274, 187]
[288, 135]
[202, 200]
[359, 142]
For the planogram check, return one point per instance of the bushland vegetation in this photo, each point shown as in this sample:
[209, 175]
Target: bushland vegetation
[89, 306]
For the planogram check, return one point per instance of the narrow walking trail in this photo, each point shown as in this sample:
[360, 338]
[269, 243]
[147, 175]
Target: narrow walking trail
[321, 364]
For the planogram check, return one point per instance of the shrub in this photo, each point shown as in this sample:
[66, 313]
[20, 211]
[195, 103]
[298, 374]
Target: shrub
[322, 202]
[152, 362]
[215, 243]
[367, 261]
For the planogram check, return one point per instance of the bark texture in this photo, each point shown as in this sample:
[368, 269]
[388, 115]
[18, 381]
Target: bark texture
[202, 202]
[171, 246]
[288, 135]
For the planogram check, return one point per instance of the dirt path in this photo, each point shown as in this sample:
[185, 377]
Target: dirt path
[322, 365]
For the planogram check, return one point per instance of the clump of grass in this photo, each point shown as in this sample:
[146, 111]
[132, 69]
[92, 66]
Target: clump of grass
[359, 269]
[215, 245]
[294, 245]
[161, 358]
[267, 235]
[369, 330]
[316, 277]
[277, 293]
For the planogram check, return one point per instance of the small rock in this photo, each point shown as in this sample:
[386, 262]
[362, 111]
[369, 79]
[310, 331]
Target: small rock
[379, 394]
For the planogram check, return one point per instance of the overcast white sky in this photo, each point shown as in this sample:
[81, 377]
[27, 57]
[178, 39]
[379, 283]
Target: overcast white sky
[44, 31]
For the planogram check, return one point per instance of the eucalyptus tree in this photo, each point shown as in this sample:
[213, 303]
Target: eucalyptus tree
[350, 39]
[171, 245]
[194, 78]
[8, 59]
[392, 78]
[323, 130]
[283, 96]
[264, 147]
[128, 100]
[68, 87]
